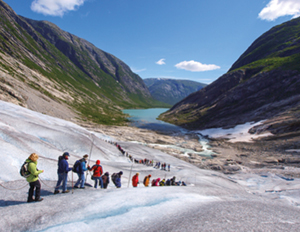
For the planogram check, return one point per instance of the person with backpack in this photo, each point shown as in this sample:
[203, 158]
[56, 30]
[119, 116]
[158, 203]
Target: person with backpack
[173, 181]
[98, 171]
[116, 179]
[62, 172]
[33, 178]
[135, 180]
[80, 168]
[162, 183]
[168, 182]
[147, 180]
[155, 182]
[105, 179]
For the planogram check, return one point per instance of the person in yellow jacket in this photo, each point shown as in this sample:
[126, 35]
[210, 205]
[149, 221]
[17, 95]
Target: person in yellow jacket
[33, 178]
[147, 180]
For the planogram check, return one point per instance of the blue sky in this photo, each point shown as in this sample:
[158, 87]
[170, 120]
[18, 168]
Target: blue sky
[193, 39]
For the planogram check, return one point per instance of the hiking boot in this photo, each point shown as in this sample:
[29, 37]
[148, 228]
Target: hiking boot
[66, 191]
[56, 191]
[30, 201]
[40, 199]
[76, 187]
[82, 187]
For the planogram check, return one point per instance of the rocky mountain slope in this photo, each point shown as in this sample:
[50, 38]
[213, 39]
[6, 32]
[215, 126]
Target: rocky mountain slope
[263, 84]
[54, 72]
[171, 91]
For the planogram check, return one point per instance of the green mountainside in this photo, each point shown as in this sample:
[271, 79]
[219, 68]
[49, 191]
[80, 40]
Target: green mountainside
[171, 91]
[263, 84]
[54, 72]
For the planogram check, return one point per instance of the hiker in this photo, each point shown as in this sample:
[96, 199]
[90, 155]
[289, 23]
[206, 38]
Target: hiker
[33, 178]
[80, 168]
[153, 182]
[135, 180]
[62, 172]
[173, 182]
[178, 183]
[169, 166]
[116, 179]
[98, 171]
[147, 180]
[105, 179]
[156, 183]
[162, 183]
[168, 182]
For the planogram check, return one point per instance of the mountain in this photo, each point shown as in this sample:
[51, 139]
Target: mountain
[171, 91]
[263, 84]
[54, 72]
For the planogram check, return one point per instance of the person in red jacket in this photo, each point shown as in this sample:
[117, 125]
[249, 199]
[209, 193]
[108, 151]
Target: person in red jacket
[98, 171]
[135, 180]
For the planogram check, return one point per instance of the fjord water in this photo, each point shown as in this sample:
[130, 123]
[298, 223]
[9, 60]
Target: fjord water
[147, 119]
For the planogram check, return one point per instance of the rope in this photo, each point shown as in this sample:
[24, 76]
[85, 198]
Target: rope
[13, 189]
[45, 183]
[55, 185]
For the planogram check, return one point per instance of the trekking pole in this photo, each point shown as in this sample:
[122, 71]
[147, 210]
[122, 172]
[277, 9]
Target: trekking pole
[90, 156]
[72, 183]
[130, 175]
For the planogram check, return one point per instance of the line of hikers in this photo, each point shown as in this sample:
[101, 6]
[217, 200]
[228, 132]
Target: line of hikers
[156, 182]
[145, 161]
[31, 173]
[30, 168]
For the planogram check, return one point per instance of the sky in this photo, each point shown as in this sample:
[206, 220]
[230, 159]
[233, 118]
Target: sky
[193, 39]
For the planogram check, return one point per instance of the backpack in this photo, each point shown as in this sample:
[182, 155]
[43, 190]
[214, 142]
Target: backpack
[24, 169]
[145, 179]
[113, 177]
[168, 182]
[76, 167]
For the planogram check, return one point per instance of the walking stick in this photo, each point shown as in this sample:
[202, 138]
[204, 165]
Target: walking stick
[130, 175]
[92, 145]
[72, 183]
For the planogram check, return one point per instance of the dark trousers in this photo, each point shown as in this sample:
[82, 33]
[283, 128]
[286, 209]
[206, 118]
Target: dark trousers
[36, 185]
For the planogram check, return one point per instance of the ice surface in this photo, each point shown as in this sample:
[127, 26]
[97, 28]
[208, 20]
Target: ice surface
[211, 201]
[237, 134]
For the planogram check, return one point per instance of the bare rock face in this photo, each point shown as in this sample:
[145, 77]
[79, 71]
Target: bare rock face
[231, 100]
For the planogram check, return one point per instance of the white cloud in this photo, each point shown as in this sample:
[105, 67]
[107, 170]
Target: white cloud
[138, 70]
[278, 8]
[161, 62]
[55, 7]
[195, 66]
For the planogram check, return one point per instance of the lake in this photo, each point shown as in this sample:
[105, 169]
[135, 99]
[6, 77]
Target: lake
[147, 119]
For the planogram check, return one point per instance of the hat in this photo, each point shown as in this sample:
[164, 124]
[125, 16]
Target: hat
[149, 175]
[98, 162]
[66, 154]
[106, 173]
[85, 156]
[138, 173]
[121, 173]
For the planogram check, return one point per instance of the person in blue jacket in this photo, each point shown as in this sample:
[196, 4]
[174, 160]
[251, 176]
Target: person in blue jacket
[82, 169]
[62, 172]
[116, 178]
